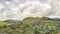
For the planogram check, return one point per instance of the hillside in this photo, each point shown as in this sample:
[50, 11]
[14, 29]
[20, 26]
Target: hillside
[30, 25]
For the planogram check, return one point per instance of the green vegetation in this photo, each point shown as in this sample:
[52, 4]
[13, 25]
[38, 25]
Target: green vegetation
[30, 25]
[2, 23]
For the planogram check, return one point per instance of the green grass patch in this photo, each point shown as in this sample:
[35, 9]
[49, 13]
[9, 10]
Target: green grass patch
[2, 23]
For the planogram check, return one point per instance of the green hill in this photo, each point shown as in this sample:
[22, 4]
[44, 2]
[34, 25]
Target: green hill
[30, 25]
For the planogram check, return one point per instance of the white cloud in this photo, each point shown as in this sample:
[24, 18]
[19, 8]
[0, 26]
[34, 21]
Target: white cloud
[34, 8]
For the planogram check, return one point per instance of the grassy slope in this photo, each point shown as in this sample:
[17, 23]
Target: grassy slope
[30, 25]
[2, 23]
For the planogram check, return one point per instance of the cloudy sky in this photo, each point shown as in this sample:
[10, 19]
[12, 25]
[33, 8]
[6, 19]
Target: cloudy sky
[20, 9]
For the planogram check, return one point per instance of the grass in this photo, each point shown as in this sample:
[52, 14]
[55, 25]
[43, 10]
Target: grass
[2, 23]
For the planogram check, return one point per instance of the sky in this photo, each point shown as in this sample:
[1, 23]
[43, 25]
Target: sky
[20, 9]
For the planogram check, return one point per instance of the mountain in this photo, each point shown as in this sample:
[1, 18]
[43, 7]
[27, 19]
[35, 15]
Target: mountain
[31, 25]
